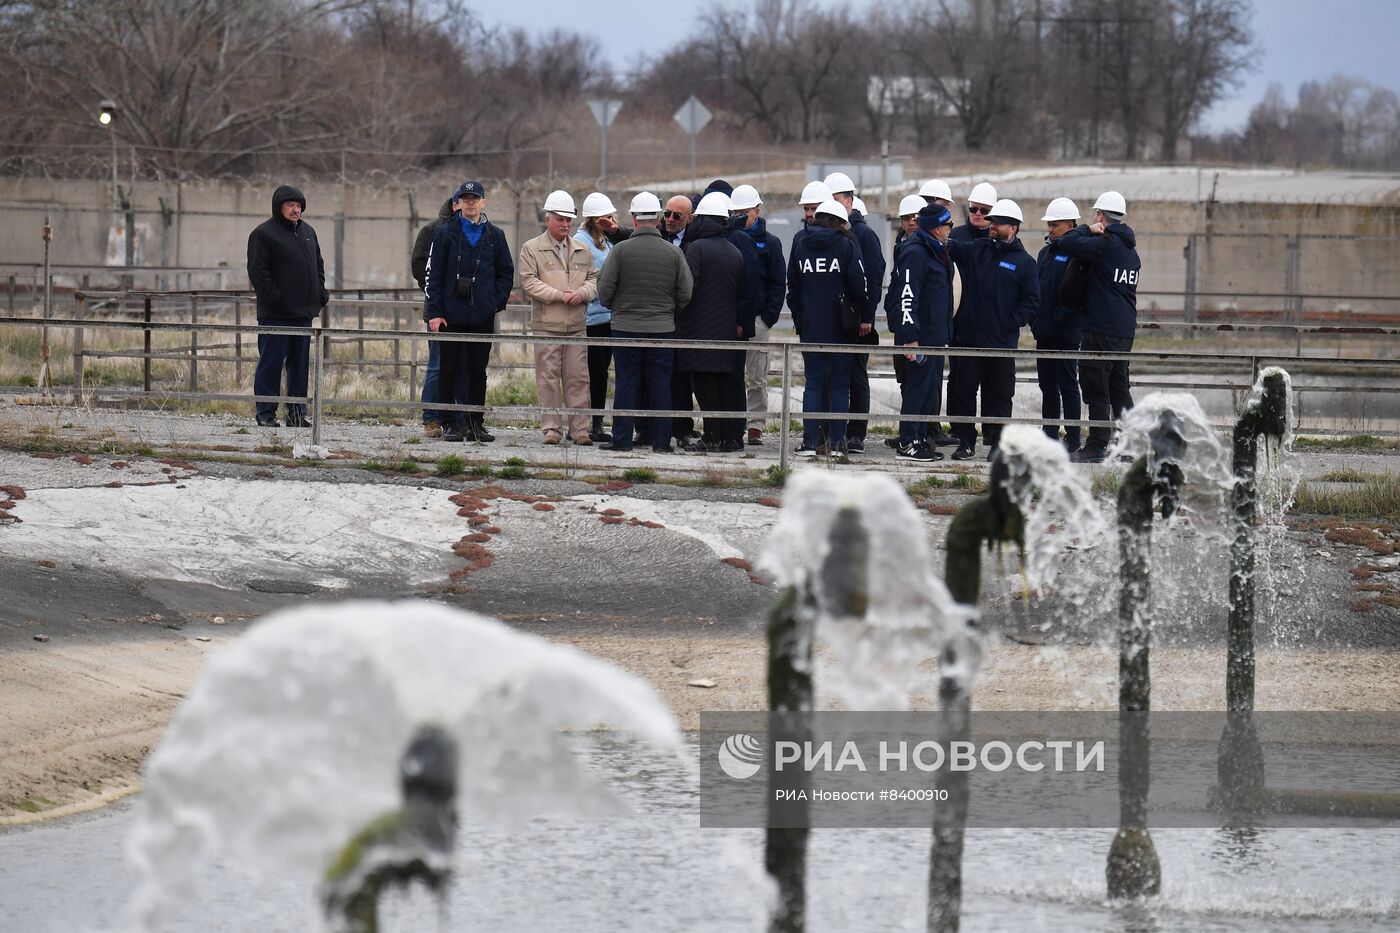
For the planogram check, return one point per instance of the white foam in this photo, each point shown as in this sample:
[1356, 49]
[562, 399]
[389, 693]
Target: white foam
[909, 614]
[289, 742]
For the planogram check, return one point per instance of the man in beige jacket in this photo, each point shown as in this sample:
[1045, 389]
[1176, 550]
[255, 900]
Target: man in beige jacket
[557, 273]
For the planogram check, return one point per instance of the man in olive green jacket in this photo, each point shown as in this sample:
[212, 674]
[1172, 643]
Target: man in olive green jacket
[558, 276]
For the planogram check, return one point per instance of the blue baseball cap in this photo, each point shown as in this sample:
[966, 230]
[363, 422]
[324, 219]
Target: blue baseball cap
[469, 188]
[933, 217]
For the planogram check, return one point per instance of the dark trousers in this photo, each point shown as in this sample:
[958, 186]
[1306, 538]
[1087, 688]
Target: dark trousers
[598, 360]
[682, 391]
[1059, 392]
[462, 373]
[828, 376]
[721, 392]
[1107, 393]
[919, 396]
[995, 378]
[279, 353]
[860, 388]
[642, 372]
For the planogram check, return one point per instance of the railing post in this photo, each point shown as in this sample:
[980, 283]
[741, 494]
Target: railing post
[325, 339]
[146, 346]
[315, 399]
[194, 344]
[78, 364]
[12, 296]
[397, 324]
[1189, 311]
[238, 342]
[786, 408]
[360, 319]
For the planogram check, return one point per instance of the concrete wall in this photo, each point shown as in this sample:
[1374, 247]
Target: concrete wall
[1240, 248]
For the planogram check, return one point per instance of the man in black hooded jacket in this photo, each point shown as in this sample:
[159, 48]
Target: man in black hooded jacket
[289, 277]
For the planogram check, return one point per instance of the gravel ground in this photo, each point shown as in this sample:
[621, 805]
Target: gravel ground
[116, 588]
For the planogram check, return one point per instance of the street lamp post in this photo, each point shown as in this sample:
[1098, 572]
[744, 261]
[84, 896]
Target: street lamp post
[107, 116]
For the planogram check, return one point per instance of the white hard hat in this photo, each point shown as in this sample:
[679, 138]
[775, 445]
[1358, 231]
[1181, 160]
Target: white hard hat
[560, 202]
[714, 204]
[1007, 208]
[645, 203]
[936, 188]
[982, 193]
[858, 205]
[1112, 202]
[597, 204]
[815, 193]
[1061, 209]
[840, 183]
[744, 198]
[834, 208]
[912, 204]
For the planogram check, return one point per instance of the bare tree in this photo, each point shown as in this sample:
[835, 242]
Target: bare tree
[1200, 50]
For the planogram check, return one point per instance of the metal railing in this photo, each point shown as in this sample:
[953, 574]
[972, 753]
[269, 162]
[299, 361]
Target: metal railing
[1240, 369]
[357, 302]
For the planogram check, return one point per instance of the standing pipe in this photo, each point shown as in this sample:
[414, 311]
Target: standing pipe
[1133, 867]
[790, 624]
[1240, 758]
[842, 587]
[986, 520]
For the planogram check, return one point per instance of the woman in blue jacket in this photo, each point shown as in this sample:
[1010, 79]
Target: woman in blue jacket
[468, 278]
[825, 265]
[599, 227]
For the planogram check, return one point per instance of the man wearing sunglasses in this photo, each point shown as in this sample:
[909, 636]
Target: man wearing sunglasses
[979, 207]
[676, 217]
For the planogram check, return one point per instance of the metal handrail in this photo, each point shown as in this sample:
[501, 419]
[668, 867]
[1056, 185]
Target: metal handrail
[316, 399]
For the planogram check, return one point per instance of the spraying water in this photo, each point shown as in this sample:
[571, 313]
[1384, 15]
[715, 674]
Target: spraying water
[292, 738]
[1055, 499]
[1203, 460]
[859, 545]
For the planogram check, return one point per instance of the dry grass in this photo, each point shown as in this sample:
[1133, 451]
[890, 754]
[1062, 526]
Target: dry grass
[1375, 497]
[1105, 483]
[344, 377]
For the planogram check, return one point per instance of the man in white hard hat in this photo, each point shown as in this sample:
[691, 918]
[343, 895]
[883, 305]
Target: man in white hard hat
[872, 254]
[814, 194]
[745, 213]
[1110, 315]
[1059, 324]
[558, 275]
[714, 313]
[979, 206]
[825, 279]
[1001, 292]
[936, 191]
[645, 281]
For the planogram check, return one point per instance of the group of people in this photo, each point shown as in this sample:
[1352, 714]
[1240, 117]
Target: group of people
[702, 269]
[706, 268]
[1079, 293]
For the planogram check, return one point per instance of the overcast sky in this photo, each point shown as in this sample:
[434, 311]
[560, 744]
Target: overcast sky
[1297, 39]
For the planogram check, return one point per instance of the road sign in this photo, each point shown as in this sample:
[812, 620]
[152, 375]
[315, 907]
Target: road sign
[604, 111]
[693, 116]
